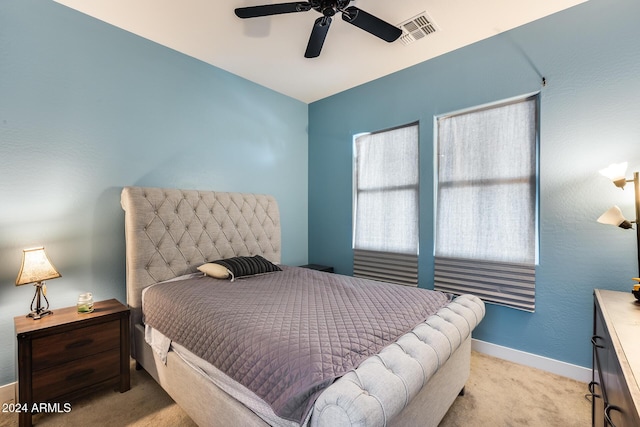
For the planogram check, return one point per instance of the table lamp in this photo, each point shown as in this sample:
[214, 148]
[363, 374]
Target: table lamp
[36, 268]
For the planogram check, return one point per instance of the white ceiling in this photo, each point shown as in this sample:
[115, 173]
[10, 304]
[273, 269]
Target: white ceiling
[269, 50]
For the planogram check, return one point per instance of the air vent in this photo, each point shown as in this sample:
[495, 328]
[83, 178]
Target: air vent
[417, 28]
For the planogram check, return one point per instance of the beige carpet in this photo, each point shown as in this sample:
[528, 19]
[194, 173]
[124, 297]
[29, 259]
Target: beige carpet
[498, 394]
[504, 394]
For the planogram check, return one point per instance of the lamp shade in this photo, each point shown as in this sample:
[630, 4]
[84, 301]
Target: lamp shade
[614, 217]
[616, 173]
[35, 267]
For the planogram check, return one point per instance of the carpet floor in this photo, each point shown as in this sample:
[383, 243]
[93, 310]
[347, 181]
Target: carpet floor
[498, 394]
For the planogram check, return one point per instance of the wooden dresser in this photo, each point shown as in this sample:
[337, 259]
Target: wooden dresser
[66, 355]
[616, 360]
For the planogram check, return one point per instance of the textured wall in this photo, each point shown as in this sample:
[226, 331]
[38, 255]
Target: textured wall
[85, 109]
[590, 57]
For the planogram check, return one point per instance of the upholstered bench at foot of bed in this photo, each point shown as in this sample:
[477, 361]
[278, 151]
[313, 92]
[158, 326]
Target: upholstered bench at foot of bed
[383, 385]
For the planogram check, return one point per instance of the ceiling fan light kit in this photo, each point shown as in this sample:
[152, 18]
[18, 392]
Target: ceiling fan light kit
[328, 8]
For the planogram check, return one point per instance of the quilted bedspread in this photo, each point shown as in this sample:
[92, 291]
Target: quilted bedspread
[287, 335]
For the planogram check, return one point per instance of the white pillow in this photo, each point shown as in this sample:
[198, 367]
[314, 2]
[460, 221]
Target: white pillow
[214, 270]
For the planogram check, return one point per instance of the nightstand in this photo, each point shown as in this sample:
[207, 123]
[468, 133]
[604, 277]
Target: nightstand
[67, 355]
[318, 267]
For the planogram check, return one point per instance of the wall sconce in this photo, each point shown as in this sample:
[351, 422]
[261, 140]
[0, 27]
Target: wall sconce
[614, 216]
[36, 268]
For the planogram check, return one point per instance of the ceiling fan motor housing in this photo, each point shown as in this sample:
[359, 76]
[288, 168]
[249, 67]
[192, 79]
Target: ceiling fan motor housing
[329, 7]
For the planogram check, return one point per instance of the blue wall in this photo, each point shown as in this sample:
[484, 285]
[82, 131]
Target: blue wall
[85, 109]
[590, 109]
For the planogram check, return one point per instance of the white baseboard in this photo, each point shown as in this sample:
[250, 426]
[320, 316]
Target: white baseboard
[8, 392]
[578, 373]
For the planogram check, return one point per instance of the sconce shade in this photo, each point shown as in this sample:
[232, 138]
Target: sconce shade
[616, 173]
[35, 267]
[614, 217]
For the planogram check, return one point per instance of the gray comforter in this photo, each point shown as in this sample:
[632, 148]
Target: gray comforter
[287, 335]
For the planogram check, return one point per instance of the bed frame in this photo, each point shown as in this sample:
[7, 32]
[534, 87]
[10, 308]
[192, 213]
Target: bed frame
[171, 232]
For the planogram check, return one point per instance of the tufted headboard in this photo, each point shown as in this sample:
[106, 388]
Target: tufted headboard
[170, 232]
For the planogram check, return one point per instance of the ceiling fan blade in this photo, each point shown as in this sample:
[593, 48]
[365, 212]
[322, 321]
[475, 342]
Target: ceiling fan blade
[371, 24]
[318, 34]
[272, 9]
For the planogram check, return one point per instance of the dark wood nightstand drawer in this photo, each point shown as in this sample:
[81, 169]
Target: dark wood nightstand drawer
[72, 345]
[78, 374]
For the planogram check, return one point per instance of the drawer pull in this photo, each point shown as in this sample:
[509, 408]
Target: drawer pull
[607, 416]
[79, 343]
[594, 340]
[592, 389]
[79, 374]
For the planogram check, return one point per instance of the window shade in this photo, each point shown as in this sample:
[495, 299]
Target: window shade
[486, 203]
[387, 266]
[386, 179]
[507, 284]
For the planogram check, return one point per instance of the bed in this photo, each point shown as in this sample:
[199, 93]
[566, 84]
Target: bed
[169, 233]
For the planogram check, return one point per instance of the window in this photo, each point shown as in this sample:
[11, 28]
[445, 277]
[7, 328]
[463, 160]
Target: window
[486, 207]
[386, 184]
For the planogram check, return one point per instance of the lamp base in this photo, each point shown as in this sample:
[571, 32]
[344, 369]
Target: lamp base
[38, 315]
[37, 310]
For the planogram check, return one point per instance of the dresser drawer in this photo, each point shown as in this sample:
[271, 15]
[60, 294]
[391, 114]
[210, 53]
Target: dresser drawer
[68, 346]
[78, 374]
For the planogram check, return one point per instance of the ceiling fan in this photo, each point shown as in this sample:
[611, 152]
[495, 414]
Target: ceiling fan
[327, 8]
